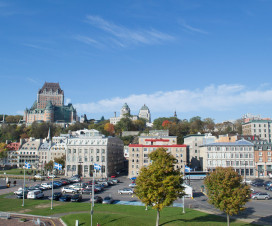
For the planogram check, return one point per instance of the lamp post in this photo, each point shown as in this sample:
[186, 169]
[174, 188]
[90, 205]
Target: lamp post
[80, 162]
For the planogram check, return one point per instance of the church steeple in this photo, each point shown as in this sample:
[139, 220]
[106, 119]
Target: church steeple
[175, 114]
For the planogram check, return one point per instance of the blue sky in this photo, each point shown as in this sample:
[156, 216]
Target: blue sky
[201, 58]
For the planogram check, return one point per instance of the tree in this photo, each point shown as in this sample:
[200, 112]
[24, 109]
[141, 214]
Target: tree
[49, 166]
[226, 191]
[159, 184]
[3, 151]
[208, 124]
[61, 160]
[166, 124]
[109, 128]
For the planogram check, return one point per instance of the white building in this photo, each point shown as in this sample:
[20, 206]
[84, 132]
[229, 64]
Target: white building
[125, 112]
[88, 147]
[238, 154]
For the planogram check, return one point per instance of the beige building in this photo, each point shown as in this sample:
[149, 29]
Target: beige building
[238, 154]
[138, 153]
[88, 147]
[260, 127]
[193, 143]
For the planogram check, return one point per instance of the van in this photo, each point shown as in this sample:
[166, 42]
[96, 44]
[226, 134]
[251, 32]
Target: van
[36, 194]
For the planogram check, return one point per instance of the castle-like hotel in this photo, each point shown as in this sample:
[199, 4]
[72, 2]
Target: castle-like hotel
[49, 106]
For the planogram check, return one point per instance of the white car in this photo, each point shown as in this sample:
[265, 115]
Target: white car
[125, 191]
[20, 190]
[46, 185]
[51, 176]
[68, 190]
[247, 181]
[38, 176]
[132, 185]
[35, 194]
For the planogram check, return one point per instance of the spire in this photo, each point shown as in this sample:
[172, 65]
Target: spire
[175, 114]
[49, 136]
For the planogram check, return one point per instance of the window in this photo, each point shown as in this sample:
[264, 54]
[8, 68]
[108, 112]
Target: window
[268, 153]
[103, 151]
[195, 151]
[97, 151]
[181, 155]
[97, 158]
[260, 153]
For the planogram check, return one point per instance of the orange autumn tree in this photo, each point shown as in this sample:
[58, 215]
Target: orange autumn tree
[166, 124]
[109, 128]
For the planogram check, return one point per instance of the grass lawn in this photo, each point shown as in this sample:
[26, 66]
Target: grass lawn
[15, 171]
[110, 214]
[136, 215]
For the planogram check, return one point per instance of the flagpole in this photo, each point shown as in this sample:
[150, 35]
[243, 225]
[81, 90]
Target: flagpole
[24, 190]
[52, 190]
[92, 203]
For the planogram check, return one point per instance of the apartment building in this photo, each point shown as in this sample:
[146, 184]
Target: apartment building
[138, 153]
[238, 154]
[193, 143]
[87, 147]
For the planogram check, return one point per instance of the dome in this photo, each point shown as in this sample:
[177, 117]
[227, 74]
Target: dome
[144, 108]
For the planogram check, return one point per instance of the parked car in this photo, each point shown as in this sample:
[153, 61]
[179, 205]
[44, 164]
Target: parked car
[133, 185]
[20, 190]
[68, 190]
[86, 191]
[260, 195]
[115, 180]
[257, 184]
[268, 183]
[269, 188]
[125, 191]
[36, 194]
[247, 181]
[107, 200]
[76, 198]
[21, 195]
[65, 198]
[97, 199]
[46, 185]
[56, 196]
[51, 176]
[38, 176]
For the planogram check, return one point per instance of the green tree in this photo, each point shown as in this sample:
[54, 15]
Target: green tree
[208, 124]
[49, 166]
[226, 191]
[196, 125]
[61, 160]
[139, 124]
[3, 151]
[159, 184]
[125, 124]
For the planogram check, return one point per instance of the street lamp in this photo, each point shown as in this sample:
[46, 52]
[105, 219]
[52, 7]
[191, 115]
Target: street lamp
[80, 174]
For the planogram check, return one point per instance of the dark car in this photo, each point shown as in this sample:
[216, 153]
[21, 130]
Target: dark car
[21, 195]
[97, 199]
[269, 188]
[76, 198]
[64, 182]
[56, 196]
[65, 198]
[258, 184]
[86, 191]
[267, 183]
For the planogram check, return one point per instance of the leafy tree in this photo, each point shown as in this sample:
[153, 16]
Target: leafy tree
[159, 184]
[226, 191]
[125, 124]
[208, 124]
[109, 128]
[139, 124]
[3, 151]
[127, 139]
[49, 166]
[61, 160]
[166, 124]
[196, 125]
[157, 123]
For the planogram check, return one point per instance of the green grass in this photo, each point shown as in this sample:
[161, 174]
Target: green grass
[15, 171]
[111, 214]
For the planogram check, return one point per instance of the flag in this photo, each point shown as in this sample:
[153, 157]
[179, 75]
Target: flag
[187, 169]
[57, 166]
[97, 167]
[27, 165]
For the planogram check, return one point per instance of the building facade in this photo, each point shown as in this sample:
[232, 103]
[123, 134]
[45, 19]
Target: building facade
[89, 147]
[258, 127]
[49, 106]
[125, 112]
[138, 153]
[193, 143]
[238, 154]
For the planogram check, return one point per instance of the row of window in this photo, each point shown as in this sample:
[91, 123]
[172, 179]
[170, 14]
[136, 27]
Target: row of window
[86, 151]
[230, 155]
[86, 168]
[86, 159]
[215, 163]
[230, 149]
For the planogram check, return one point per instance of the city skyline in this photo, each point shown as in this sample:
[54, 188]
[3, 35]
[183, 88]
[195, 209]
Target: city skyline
[201, 58]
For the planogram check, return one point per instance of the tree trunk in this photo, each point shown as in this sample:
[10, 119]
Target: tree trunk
[158, 218]
[228, 220]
